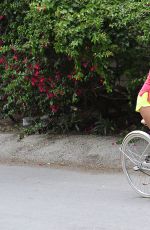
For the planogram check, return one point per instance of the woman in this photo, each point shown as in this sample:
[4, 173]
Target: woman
[143, 102]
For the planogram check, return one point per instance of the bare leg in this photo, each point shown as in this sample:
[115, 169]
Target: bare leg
[145, 113]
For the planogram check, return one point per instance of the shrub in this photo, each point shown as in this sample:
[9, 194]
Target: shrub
[57, 54]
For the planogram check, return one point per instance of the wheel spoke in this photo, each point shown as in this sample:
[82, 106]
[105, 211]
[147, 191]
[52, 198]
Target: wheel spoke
[136, 147]
[144, 153]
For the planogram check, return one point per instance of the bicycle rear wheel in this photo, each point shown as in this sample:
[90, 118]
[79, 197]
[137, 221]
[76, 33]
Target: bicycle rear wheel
[136, 149]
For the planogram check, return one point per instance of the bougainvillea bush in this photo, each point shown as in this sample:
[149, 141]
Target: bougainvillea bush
[81, 62]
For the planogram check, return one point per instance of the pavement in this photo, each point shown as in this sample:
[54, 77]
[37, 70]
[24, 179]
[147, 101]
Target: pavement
[76, 151]
[39, 198]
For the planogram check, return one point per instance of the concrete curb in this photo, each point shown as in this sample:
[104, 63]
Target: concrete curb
[88, 151]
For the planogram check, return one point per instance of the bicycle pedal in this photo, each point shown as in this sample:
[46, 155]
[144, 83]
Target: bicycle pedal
[136, 168]
[147, 159]
[145, 165]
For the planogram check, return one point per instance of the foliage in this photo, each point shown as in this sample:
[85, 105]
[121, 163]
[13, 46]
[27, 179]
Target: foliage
[57, 54]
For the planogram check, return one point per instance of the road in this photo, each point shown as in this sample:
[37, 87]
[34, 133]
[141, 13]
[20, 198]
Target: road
[37, 198]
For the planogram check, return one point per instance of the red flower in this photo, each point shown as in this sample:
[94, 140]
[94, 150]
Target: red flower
[6, 66]
[25, 60]
[49, 79]
[15, 57]
[36, 67]
[1, 42]
[2, 17]
[29, 66]
[50, 95]
[69, 76]
[33, 81]
[93, 68]
[2, 60]
[79, 92]
[41, 89]
[85, 64]
[36, 74]
[42, 80]
[54, 108]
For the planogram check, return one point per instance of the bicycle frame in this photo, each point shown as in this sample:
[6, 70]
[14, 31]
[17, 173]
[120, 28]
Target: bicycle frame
[136, 162]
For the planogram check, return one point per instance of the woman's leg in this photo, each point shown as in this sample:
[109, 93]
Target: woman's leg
[145, 113]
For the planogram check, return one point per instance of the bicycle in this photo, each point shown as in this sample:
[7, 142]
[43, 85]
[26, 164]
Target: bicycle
[135, 150]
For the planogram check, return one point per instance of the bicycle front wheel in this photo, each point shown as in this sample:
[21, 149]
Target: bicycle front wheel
[136, 149]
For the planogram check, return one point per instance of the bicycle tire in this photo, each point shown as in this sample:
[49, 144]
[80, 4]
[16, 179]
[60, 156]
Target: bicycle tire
[135, 148]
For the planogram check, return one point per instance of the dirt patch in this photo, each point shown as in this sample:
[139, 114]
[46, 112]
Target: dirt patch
[8, 126]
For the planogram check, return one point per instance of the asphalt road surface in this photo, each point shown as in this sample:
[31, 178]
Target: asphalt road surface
[37, 198]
